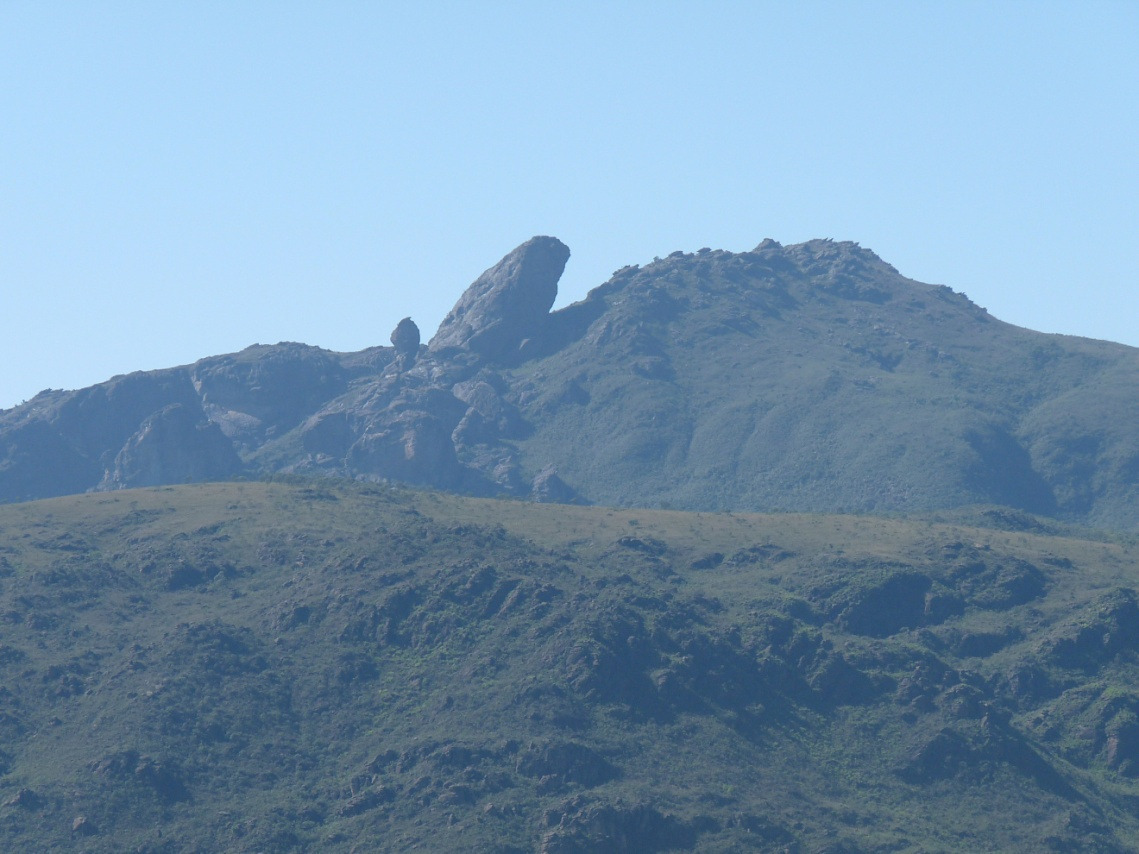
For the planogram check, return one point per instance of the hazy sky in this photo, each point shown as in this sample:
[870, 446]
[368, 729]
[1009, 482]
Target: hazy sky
[179, 180]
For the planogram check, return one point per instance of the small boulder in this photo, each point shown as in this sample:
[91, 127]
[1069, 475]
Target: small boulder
[25, 798]
[548, 488]
[405, 339]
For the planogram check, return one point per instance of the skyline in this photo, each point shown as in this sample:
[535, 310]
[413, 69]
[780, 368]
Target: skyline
[180, 183]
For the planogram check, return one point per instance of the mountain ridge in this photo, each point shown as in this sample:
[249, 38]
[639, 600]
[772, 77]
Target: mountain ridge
[807, 377]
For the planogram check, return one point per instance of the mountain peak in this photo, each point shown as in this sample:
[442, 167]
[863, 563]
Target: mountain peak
[506, 304]
[809, 377]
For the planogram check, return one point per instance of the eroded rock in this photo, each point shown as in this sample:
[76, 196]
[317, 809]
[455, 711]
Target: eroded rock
[507, 304]
[580, 825]
[414, 447]
[547, 487]
[405, 339]
[174, 445]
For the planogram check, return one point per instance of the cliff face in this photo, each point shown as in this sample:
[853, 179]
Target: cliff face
[172, 446]
[808, 377]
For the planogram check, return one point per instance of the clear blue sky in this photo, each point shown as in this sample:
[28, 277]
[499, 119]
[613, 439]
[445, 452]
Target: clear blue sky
[179, 180]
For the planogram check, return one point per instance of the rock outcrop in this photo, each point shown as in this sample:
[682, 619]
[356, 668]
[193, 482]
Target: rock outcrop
[264, 391]
[174, 445]
[548, 488]
[506, 305]
[405, 339]
[411, 446]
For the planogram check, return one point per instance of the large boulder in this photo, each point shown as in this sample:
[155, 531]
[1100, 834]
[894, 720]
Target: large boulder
[405, 337]
[507, 304]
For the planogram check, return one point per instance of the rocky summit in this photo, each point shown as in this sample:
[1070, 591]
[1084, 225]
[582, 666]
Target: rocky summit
[811, 377]
[508, 305]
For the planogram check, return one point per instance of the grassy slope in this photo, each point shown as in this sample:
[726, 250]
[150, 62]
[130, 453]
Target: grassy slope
[744, 382]
[274, 667]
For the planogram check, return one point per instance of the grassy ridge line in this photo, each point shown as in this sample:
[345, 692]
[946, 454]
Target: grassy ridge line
[261, 710]
[694, 534]
[591, 529]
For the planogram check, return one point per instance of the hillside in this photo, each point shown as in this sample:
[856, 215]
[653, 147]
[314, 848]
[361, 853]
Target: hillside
[320, 665]
[811, 378]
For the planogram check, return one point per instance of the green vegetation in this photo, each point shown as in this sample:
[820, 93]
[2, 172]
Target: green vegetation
[317, 665]
[816, 378]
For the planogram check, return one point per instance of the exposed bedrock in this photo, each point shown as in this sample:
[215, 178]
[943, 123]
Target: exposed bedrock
[508, 304]
[174, 445]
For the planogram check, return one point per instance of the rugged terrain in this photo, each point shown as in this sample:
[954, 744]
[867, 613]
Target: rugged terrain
[812, 377]
[318, 650]
[321, 665]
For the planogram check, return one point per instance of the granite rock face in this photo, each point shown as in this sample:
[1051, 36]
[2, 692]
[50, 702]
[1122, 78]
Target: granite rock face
[265, 391]
[174, 445]
[508, 304]
[64, 442]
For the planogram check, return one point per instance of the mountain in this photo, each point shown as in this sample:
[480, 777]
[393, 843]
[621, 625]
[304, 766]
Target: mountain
[811, 377]
[307, 653]
[313, 664]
